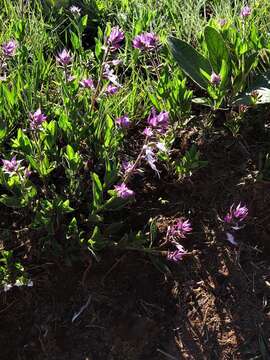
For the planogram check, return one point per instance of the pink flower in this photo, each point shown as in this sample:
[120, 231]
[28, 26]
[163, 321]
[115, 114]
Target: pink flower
[148, 132]
[27, 173]
[123, 191]
[9, 48]
[241, 212]
[159, 121]
[71, 78]
[112, 89]
[222, 22]
[123, 121]
[179, 229]
[177, 255]
[127, 166]
[115, 38]
[64, 58]
[245, 12]
[215, 79]
[145, 41]
[236, 214]
[11, 166]
[37, 119]
[87, 84]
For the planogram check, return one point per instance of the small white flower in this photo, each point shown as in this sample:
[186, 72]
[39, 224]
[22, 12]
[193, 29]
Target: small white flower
[75, 10]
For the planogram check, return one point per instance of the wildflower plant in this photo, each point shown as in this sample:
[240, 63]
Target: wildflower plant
[231, 55]
[89, 107]
[234, 220]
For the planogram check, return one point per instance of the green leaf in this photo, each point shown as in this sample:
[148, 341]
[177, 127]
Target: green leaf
[70, 152]
[84, 21]
[97, 241]
[261, 87]
[115, 203]
[191, 62]
[11, 201]
[218, 54]
[97, 190]
[22, 142]
[75, 40]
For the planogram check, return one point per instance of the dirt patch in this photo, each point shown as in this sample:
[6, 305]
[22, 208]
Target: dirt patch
[214, 305]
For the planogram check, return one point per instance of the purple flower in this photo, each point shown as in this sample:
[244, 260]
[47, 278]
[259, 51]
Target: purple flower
[159, 121]
[148, 132]
[241, 212]
[109, 74]
[123, 191]
[180, 229]
[87, 84]
[176, 255]
[127, 166]
[245, 12]
[114, 62]
[75, 10]
[11, 166]
[27, 173]
[215, 79]
[115, 38]
[123, 121]
[112, 89]
[64, 58]
[145, 41]
[236, 214]
[222, 22]
[162, 147]
[71, 78]
[230, 237]
[37, 119]
[150, 158]
[9, 48]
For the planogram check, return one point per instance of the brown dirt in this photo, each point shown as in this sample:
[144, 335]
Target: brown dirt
[213, 306]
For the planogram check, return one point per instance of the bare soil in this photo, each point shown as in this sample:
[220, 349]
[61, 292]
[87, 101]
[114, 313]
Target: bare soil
[214, 305]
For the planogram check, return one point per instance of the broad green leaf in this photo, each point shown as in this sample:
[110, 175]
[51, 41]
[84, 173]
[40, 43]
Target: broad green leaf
[191, 62]
[259, 88]
[12, 201]
[75, 40]
[218, 54]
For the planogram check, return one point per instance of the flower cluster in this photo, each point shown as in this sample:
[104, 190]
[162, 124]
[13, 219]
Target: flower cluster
[176, 255]
[233, 221]
[158, 121]
[179, 230]
[9, 48]
[87, 84]
[123, 121]
[145, 41]
[64, 58]
[236, 214]
[115, 39]
[222, 22]
[37, 119]
[245, 12]
[11, 167]
[123, 191]
[75, 10]
[112, 89]
[215, 79]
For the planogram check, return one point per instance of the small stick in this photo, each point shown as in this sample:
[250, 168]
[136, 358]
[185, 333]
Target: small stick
[166, 354]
